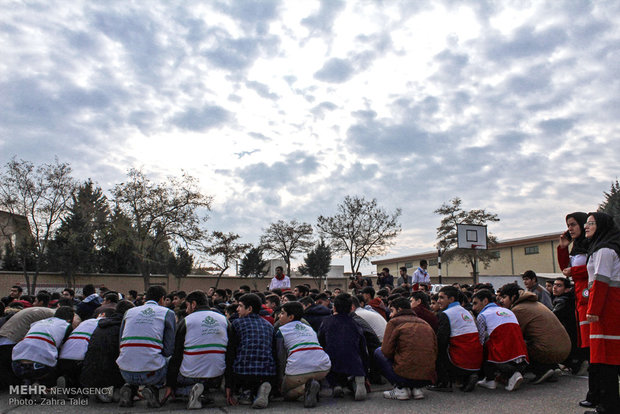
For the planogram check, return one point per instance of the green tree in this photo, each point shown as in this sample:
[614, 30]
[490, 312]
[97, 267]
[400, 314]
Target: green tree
[611, 203]
[160, 214]
[77, 242]
[40, 194]
[447, 241]
[253, 265]
[224, 250]
[286, 239]
[361, 229]
[180, 265]
[117, 254]
[317, 263]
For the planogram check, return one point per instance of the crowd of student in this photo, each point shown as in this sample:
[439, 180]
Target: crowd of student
[289, 344]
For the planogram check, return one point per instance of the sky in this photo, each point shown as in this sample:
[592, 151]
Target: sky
[282, 108]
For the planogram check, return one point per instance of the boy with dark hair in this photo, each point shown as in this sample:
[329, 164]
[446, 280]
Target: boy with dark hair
[504, 347]
[530, 280]
[250, 363]
[147, 339]
[420, 304]
[375, 303]
[564, 310]
[459, 349]
[314, 313]
[90, 302]
[301, 360]
[345, 344]
[300, 291]
[199, 357]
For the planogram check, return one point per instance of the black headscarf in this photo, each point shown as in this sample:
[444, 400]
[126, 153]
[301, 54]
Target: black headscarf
[580, 244]
[606, 235]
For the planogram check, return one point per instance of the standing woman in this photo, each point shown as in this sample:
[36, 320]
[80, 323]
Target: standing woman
[603, 313]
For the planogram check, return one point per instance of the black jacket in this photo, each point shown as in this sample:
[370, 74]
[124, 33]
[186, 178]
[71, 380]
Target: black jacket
[99, 368]
[315, 314]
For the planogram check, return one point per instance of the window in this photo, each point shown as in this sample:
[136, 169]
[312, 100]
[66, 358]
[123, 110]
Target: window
[408, 265]
[432, 262]
[495, 254]
[531, 250]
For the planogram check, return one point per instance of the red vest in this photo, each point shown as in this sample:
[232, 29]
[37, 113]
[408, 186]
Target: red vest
[465, 350]
[505, 341]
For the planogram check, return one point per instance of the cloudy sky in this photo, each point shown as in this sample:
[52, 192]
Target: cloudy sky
[281, 108]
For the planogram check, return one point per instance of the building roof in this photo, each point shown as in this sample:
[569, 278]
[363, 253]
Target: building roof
[519, 241]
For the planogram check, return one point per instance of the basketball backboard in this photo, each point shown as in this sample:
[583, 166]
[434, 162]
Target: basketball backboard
[470, 236]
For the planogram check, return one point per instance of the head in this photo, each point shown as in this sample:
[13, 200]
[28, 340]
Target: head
[231, 310]
[423, 264]
[575, 224]
[301, 290]
[219, 296]
[178, 298]
[398, 305]
[402, 271]
[88, 290]
[385, 271]
[110, 297]
[15, 292]
[65, 313]
[419, 299]
[288, 297]
[435, 303]
[323, 299]
[279, 271]
[156, 293]
[194, 300]
[42, 299]
[103, 290]
[337, 291]
[368, 293]
[132, 295]
[549, 286]
[447, 295]
[245, 289]
[481, 299]
[530, 280]
[68, 293]
[292, 311]
[508, 294]
[561, 285]
[248, 304]
[306, 302]
[272, 301]
[343, 303]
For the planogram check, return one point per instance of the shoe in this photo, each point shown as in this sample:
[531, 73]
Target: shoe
[514, 382]
[311, 393]
[440, 387]
[359, 387]
[397, 394]
[557, 373]
[61, 385]
[543, 377]
[105, 397]
[417, 393]
[470, 385]
[245, 397]
[194, 402]
[338, 392]
[583, 369]
[587, 404]
[126, 396]
[489, 384]
[262, 396]
[151, 395]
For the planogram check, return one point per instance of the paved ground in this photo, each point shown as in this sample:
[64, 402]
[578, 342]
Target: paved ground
[549, 398]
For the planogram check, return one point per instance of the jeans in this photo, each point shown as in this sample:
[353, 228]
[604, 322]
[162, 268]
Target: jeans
[185, 384]
[33, 372]
[156, 378]
[385, 365]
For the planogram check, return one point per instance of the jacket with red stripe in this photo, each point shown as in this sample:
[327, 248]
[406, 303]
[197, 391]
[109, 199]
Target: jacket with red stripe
[579, 273]
[298, 345]
[147, 338]
[604, 277]
[500, 334]
[76, 345]
[464, 348]
[42, 341]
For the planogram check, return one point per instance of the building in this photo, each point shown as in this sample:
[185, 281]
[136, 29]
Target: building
[514, 256]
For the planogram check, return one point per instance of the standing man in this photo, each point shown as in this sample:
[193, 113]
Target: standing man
[147, 339]
[421, 275]
[385, 279]
[530, 280]
[280, 280]
[404, 280]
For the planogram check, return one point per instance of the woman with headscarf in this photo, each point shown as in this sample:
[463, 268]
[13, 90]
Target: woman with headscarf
[603, 314]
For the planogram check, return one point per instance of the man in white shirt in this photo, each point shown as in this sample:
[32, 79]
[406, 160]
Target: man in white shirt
[280, 280]
[421, 275]
[374, 319]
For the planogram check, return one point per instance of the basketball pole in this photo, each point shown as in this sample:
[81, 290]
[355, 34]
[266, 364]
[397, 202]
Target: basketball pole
[439, 264]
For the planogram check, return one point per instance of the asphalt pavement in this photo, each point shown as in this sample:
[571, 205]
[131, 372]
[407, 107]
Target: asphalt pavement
[549, 398]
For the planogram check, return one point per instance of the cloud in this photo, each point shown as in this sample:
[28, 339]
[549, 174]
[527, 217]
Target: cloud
[320, 109]
[202, 119]
[262, 90]
[323, 20]
[335, 70]
[527, 42]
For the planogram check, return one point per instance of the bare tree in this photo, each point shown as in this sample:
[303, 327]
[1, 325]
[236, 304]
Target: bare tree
[224, 250]
[454, 214]
[40, 194]
[286, 239]
[361, 229]
[160, 213]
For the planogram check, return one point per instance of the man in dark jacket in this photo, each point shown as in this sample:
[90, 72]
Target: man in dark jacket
[99, 369]
[314, 313]
[344, 342]
[564, 309]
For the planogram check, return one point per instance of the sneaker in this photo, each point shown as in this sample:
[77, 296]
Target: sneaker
[397, 394]
[470, 384]
[105, 397]
[61, 385]
[543, 377]
[489, 384]
[151, 395]
[194, 402]
[245, 397]
[126, 396]
[557, 373]
[262, 396]
[311, 393]
[338, 392]
[583, 369]
[359, 387]
[417, 393]
[514, 382]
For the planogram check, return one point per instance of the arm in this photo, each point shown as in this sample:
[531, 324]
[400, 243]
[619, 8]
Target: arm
[388, 347]
[443, 333]
[281, 355]
[483, 333]
[603, 260]
[231, 353]
[169, 330]
[177, 357]
[562, 249]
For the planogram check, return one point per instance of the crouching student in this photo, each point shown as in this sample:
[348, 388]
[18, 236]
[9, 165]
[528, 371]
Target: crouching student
[36, 356]
[344, 342]
[408, 353]
[504, 347]
[147, 339]
[199, 358]
[302, 362]
[250, 363]
[459, 350]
